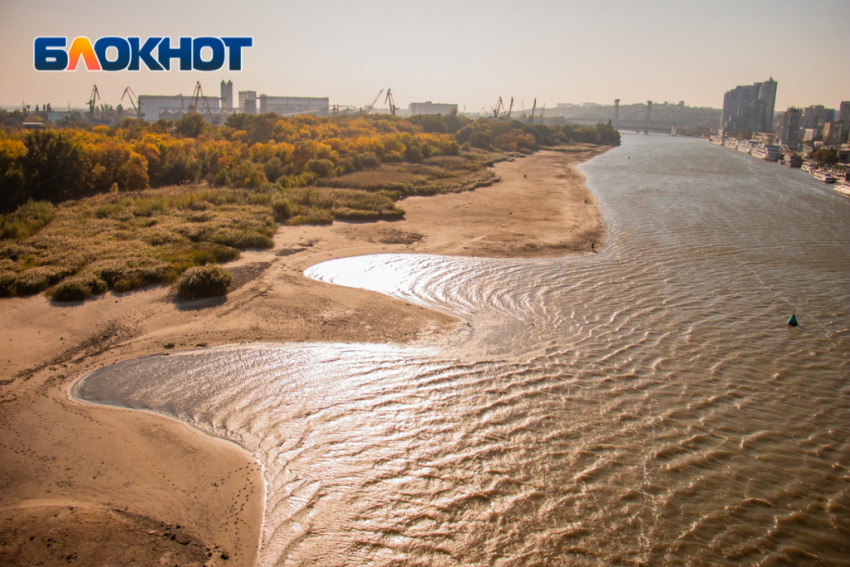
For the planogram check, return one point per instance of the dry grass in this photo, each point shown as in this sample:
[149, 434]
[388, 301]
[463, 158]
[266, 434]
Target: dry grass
[437, 175]
[126, 241]
[130, 241]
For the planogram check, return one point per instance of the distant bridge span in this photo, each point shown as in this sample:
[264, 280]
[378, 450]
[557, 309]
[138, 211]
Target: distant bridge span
[654, 126]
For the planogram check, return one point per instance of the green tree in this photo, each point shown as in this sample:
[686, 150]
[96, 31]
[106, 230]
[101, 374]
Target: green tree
[464, 134]
[825, 156]
[480, 140]
[261, 128]
[191, 125]
[54, 167]
[238, 121]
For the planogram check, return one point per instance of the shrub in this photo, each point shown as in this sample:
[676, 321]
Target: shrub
[79, 288]
[480, 140]
[36, 280]
[203, 281]
[241, 239]
[7, 280]
[282, 209]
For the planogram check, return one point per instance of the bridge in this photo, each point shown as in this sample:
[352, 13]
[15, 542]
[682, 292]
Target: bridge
[653, 126]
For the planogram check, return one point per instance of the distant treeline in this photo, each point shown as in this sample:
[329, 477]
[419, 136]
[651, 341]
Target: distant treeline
[248, 151]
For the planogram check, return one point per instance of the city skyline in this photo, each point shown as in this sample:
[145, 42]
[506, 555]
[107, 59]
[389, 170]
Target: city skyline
[466, 53]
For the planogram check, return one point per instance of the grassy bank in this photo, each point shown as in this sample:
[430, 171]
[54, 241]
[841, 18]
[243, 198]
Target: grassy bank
[128, 240]
[120, 207]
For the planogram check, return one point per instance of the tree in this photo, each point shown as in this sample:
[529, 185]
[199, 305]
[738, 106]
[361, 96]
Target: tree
[54, 166]
[191, 125]
[480, 140]
[463, 135]
[825, 156]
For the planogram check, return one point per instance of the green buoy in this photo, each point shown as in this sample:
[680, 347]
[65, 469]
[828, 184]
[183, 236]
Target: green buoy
[793, 320]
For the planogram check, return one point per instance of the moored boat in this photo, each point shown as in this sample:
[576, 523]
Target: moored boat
[793, 160]
[766, 152]
[744, 146]
[824, 176]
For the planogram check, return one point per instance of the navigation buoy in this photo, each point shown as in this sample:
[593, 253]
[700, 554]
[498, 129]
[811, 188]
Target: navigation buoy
[793, 320]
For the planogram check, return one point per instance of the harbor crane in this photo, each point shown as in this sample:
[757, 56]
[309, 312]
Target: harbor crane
[198, 92]
[499, 106]
[389, 98]
[368, 108]
[128, 92]
[523, 109]
[510, 108]
[533, 108]
[95, 96]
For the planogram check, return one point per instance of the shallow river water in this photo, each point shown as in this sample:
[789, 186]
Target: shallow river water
[644, 405]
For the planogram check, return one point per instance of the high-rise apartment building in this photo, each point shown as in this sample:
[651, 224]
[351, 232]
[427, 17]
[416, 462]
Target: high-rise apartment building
[844, 119]
[815, 117]
[749, 107]
[789, 128]
[832, 133]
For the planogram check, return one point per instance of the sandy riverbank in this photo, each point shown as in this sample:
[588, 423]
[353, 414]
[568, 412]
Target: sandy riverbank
[91, 485]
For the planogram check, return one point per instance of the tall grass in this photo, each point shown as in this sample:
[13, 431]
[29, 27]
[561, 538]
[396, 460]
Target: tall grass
[30, 217]
[436, 175]
[126, 241]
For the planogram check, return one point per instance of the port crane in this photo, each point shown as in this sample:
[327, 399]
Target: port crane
[368, 108]
[95, 96]
[128, 92]
[510, 108]
[523, 109]
[198, 92]
[533, 108]
[389, 98]
[499, 106]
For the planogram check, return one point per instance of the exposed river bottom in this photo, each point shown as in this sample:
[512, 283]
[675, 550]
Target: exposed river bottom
[645, 405]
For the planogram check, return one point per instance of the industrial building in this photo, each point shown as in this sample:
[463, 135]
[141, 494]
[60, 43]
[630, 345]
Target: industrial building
[227, 95]
[429, 107]
[289, 105]
[248, 102]
[217, 109]
[154, 107]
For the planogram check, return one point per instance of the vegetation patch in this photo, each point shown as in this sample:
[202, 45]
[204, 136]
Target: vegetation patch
[30, 217]
[120, 207]
[79, 288]
[203, 281]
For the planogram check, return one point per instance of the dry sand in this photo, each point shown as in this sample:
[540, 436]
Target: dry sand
[96, 485]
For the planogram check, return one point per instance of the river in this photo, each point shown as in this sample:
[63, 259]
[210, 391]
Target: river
[646, 405]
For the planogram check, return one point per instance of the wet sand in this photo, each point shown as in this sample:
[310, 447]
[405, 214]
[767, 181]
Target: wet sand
[94, 484]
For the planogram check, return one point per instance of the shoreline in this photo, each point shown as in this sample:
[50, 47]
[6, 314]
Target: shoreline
[54, 443]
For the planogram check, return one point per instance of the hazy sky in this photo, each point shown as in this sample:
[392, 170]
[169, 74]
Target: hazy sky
[464, 52]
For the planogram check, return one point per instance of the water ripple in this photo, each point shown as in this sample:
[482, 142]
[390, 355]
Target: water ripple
[641, 406]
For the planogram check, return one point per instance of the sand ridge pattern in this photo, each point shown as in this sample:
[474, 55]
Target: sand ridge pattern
[102, 459]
